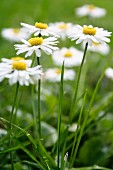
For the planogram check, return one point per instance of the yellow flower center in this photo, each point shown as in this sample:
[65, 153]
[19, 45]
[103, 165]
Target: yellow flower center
[91, 7]
[68, 54]
[89, 30]
[41, 25]
[63, 26]
[16, 30]
[58, 71]
[19, 65]
[17, 58]
[36, 41]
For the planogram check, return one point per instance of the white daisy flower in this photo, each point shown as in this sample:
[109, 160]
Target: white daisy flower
[73, 127]
[109, 73]
[14, 34]
[89, 34]
[100, 48]
[71, 57]
[91, 11]
[62, 28]
[39, 29]
[2, 132]
[37, 44]
[54, 74]
[18, 69]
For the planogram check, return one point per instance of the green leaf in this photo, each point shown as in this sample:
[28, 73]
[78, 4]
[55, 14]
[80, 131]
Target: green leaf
[95, 167]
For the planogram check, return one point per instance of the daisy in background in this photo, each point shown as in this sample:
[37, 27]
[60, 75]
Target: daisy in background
[39, 29]
[71, 57]
[99, 48]
[91, 11]
[109, 73]
[18, 69]
[37, 44]
[19, 113]
[14, 34]
[62, 28]
[89, 34]
[54, 74]
[3, 132]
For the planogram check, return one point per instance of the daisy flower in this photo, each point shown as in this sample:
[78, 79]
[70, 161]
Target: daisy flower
[18, 69]
[2, 132]
[37, 44]
[109, 73]
[39, 29]
[89, 34]
[71, 57]
[14, 34]
[73, 127]
[91, 11]
[99, 48]
[54, 74]
[62, 28]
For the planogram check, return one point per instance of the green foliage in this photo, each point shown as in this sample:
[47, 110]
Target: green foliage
[90, 146]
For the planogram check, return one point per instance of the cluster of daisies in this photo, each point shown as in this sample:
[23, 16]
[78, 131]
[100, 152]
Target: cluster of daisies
[42, 37]
[18, 69]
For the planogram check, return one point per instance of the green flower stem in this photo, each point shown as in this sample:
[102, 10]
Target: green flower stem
[88, 112]
[17, 105]
[77, 85]
[34, 110]
[33, 60]
[39, 87]
[33, 100]
[76, 89]
[11, 119]
[75, 148]
[59, 117]
[75, 94]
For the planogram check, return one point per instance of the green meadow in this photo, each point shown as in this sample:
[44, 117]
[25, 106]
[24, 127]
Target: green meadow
[90, 145]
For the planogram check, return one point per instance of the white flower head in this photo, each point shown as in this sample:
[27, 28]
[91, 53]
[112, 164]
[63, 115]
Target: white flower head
[91, 11]
[73, 127]
[99, 48]
[14, 34]
[89, 34]
[18, 69]
[2, 132]
[62, 28]
[109, 73]
[54, 74]
[39, 28]
[37, 44]
[71, 57]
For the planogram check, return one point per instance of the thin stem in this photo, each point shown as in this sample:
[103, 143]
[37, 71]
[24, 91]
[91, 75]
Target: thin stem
[16, 106]
[76, 89]
[33, 60]
[88, 111]
[75, 149]
[11, 119]
[13, 107]
[59, 117]
[34, 110]
[97, 85]
[63, 162]
[33, 100]
[39, 87]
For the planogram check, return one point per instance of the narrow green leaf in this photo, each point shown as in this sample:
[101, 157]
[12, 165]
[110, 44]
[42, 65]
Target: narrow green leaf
[59, 116]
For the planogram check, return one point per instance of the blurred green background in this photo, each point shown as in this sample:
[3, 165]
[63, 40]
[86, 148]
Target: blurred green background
[15, 11]
[100, 135]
